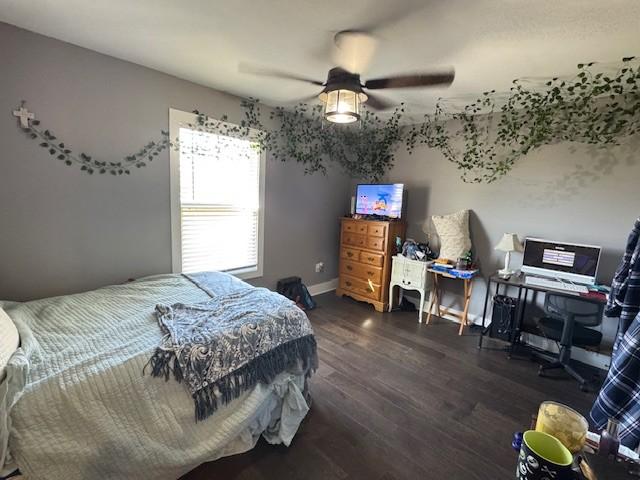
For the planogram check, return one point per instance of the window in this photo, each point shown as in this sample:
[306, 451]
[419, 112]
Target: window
[217, 193]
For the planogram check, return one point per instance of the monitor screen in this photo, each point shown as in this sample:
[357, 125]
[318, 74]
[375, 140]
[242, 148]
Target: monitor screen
[384, 200]
[560, 258]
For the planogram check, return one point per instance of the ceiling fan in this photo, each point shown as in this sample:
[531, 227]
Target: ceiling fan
[343, 91]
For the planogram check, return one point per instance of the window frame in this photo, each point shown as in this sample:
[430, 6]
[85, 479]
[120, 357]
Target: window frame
[178, 118]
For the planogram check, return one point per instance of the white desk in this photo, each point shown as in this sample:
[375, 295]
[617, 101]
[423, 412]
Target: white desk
[409, 275]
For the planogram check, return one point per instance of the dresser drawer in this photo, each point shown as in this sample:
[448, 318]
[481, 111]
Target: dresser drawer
[409, 272]
[354, 239]
[377, 230]
[349, 253]
[354, 227]
[350, 227]
[372, 258]
[376, 243]
[360, 287]
[360, 270]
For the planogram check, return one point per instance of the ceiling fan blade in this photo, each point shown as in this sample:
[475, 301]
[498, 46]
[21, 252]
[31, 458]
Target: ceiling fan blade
[271, 72]
[389, 13]
[308, 99]
[408, 81]
[354, 50]
[378, 103]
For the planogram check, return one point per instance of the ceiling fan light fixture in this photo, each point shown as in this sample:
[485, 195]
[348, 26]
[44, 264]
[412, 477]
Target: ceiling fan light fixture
[342, 105]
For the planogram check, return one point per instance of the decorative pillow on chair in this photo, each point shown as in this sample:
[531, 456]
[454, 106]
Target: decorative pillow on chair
[9, 340]
[453, 231]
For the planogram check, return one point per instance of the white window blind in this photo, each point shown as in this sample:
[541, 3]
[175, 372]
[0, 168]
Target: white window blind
[219, 202]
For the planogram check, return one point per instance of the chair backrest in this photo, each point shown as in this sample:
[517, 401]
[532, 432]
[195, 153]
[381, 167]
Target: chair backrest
[585, 312]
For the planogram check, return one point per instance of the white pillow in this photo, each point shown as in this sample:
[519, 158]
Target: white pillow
[453, 231]
[9, 340]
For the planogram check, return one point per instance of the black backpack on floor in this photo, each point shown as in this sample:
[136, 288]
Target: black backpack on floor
[294, 289]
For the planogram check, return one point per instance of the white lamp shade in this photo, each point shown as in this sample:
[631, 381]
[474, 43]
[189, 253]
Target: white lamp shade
[509, 243]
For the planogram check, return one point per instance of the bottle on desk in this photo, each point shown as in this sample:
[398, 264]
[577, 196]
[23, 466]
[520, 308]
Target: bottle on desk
[609, 439]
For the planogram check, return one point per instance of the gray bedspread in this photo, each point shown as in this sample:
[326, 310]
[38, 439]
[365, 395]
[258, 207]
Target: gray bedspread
[86, 411]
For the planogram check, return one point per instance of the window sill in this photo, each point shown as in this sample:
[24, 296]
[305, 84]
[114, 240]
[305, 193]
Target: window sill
[246, 273]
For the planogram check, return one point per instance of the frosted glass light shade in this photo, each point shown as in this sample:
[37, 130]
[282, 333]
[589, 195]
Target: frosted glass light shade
[342, 106]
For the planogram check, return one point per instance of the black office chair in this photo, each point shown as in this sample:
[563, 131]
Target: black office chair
[567, 320]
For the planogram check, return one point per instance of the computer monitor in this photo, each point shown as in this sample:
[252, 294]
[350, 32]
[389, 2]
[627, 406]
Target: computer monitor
[568, 261]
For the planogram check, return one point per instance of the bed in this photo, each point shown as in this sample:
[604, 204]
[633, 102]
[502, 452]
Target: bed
[79, 406]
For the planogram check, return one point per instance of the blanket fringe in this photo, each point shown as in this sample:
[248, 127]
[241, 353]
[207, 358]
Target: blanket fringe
[262, 369]
[159, 362]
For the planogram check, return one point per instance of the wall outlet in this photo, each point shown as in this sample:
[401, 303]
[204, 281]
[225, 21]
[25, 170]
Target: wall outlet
[319, 267]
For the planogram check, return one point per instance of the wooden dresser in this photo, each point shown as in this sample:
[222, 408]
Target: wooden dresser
[366, 248]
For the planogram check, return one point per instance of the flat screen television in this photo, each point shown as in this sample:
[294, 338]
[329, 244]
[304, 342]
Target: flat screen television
[384, 200]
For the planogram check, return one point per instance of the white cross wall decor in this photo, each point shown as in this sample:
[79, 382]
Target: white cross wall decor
[24, 115]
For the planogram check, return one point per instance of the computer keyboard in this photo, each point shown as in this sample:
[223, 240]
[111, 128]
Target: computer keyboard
[555, 284]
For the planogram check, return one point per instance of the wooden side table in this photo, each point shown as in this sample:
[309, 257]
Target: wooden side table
[436, 295]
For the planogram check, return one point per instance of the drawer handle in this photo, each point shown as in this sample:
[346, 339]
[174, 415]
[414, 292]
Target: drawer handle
[371, 259]
[370, 273]
[349, 267]
[347, 283]
[349, 254]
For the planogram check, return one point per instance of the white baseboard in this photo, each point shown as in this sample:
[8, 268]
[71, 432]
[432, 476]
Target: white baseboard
[594, 359]
[323, 287]
[471, 318]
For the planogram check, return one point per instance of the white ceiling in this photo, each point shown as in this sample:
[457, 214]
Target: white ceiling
[489, 42]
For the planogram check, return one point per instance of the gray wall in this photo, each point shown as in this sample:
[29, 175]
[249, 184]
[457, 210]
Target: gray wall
[62, 231]
[565, 192]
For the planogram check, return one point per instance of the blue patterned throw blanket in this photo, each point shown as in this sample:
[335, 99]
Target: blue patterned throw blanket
[225, 346]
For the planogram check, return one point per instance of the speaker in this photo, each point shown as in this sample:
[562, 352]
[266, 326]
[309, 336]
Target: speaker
[503, 318]
[353, 205]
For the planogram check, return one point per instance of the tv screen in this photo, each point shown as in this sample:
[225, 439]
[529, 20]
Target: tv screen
[383, 200]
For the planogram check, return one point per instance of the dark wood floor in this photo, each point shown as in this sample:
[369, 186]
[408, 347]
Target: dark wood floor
[394, 399]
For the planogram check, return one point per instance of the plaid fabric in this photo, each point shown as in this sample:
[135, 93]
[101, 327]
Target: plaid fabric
[619, 397]
[624, 299]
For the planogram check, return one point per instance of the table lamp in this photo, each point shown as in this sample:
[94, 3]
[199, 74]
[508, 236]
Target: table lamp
[508, 243]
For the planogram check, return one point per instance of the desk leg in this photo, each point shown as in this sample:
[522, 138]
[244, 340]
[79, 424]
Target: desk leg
[484, 313]
[422, 293]
[468, 286]
[391, 296]
[432, 298]
[438, 292]
[519, 318]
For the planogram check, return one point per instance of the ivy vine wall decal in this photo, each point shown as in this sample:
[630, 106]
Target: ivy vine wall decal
[599, 108]
[59, 150]
[596, 106]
